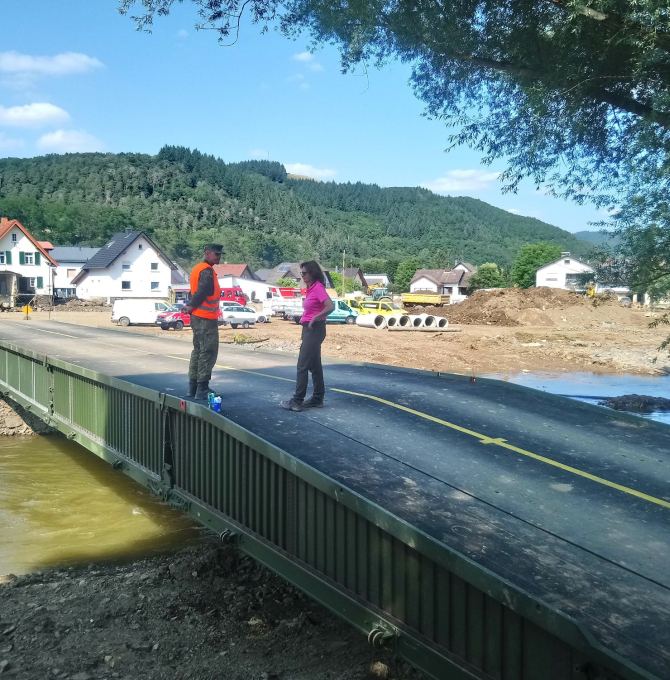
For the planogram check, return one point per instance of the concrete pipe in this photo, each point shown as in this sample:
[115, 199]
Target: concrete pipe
[371, 320]
[428, 321]
[404, 321]
[393, 320]
[416, 321]
[442, 322]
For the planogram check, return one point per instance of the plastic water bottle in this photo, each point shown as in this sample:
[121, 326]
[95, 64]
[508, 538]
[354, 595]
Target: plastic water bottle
[216, 405]
[210, 399]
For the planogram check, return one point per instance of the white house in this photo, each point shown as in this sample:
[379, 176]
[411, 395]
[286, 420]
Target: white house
[129, 265]
[70, 261]
[452, 282]
[565, 272]
[373, 279]
[26, 267]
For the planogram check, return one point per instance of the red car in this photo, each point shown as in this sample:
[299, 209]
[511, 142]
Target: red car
[176, 319]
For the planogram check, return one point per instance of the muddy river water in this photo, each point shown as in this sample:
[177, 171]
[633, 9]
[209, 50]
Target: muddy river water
[61, 505]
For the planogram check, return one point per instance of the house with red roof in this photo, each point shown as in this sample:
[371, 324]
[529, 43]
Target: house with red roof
[239, 271]
[26, 266]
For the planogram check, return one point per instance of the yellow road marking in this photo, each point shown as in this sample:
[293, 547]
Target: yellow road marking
[483, 439]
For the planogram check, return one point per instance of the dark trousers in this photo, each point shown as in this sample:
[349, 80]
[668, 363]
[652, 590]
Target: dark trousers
[309, 361]
[205, 348]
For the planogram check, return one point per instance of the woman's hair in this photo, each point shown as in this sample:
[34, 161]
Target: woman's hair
[314, 270]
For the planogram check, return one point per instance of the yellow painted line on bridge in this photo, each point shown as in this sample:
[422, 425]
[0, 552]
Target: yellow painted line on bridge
[483, 438]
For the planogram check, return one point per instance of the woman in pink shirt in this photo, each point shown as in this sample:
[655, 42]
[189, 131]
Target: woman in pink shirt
[317, 305]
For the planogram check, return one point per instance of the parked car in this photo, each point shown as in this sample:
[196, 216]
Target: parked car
[175, 318]
[241, 316]
[341, 314]
[137, 311]
[626, 302]
[381, 308]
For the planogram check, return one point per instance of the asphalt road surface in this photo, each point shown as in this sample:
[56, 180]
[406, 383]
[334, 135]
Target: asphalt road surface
[567, 501]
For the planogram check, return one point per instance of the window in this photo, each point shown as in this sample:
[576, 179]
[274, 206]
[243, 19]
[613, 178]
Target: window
[284, 268]
[71, 273]
[125, 285]
[154, 266]
[28, 258]
[551, 279]
[155, 285]
[32, 282]
[139, 246]
[125, 266]
[2, 258]
[566, 261]
[14, 238]
[572, 278]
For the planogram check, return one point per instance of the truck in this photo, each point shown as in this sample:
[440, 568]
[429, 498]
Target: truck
[181, 293]
[425, 298]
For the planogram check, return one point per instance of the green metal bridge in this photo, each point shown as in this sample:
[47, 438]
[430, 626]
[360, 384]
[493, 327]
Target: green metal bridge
[479, 530]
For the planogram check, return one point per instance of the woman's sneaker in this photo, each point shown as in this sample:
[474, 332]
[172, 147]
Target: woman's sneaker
[311, 402]
[292, 405]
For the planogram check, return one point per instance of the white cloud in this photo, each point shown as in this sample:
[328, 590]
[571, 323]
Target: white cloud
[259, 153]
[308, 60]
[525, 213]
[462, 180]
[69, 141]
[33, 115]
[309, 171]
[57, 65]
[8, 144]
[182, 34]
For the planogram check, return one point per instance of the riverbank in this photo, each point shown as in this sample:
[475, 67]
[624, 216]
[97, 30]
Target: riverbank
[16, 421]
[203, 612]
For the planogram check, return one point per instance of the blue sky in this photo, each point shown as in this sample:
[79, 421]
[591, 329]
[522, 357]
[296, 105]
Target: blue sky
[76, 76]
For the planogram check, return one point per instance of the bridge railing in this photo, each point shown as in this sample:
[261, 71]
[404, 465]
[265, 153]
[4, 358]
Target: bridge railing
[445, 614]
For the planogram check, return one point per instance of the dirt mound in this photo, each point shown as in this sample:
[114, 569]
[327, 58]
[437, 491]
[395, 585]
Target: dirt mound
[517, 307]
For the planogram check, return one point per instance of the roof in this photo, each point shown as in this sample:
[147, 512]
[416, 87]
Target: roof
[262, 274]
[46, 245]
[6, 225]
[177, 278]
[442, 277]
[116, 246]
[470, 267]
[564, 256]
[230, 269]
[291, 270]
[73, 253]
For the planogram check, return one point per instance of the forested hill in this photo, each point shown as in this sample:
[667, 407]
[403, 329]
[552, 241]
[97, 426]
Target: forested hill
[185, 199]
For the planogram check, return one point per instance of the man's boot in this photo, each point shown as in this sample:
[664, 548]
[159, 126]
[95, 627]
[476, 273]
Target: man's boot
[192, 388]
[202, 391]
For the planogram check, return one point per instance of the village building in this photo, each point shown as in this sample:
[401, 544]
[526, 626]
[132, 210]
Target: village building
[129, 265]
[566, 272]
[291, 270]
[377, 279]
[452, 282]
[26, 267]
[70, 260]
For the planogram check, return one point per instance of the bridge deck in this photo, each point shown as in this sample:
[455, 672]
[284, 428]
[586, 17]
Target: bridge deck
[567, 501]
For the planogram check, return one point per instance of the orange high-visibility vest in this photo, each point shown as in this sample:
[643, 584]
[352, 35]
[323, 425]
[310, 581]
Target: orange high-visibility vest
[209, 308]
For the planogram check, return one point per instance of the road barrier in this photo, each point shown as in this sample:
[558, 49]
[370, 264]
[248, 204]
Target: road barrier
[405, 590]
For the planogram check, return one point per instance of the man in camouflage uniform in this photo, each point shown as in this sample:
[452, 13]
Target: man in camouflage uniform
[203, 306]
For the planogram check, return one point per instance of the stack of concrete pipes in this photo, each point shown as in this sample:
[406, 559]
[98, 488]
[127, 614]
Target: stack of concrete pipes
[402, 322]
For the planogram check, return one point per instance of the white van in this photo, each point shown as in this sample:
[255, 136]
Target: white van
[127, 312]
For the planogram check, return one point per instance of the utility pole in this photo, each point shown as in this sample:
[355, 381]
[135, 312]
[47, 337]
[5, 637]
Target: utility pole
[343, 254]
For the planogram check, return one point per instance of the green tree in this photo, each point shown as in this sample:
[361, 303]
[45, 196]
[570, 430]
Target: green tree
[404, 274]
[350, 285]
[488, 275]
[532, 256]
[286, 283]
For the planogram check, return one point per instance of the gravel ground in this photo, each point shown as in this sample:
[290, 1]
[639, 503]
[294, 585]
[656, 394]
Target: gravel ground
[204, 612]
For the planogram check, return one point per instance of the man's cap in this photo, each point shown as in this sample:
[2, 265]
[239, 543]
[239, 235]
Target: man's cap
[214, 248]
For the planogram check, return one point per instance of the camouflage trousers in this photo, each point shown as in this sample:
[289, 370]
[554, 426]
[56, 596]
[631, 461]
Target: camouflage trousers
[205, 348]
